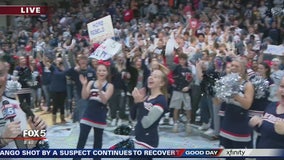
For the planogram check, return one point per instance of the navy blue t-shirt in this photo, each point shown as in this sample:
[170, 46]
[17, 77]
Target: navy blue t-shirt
[182, 76]
[25, 76]
[58, 80]
[74, 76]
[46, 74]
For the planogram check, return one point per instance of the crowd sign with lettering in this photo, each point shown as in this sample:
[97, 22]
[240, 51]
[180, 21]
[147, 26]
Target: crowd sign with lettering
[277, 50]
[100, 29]
[106, 50]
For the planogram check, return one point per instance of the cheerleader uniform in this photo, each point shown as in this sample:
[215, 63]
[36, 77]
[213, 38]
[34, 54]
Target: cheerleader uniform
[148, 115]
[258, 106]
[235, 130]
[95, 106]
[94, 117]
[221, 114]
[269, 138]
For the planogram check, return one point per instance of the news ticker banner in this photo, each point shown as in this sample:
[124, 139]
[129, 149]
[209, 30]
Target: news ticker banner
[22, 10]
[139, 153]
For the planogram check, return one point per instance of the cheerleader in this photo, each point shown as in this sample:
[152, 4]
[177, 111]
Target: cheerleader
[98, 92]
[235, 131]
[148, 111]
[271, 124]
[259, 103]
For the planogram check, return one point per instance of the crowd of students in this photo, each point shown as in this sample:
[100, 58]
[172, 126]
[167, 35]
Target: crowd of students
[193, 42]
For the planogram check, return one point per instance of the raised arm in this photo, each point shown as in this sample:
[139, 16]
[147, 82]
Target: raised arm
[86, 87]
[199, 70]
[247, 99]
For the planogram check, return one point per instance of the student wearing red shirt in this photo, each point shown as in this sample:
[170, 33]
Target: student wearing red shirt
[128, 14]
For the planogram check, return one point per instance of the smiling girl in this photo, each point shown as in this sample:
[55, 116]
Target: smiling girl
[98, 92]
[148, 111]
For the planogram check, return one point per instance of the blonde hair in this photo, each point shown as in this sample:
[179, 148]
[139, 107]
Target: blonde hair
[243, 63]
[164, 88]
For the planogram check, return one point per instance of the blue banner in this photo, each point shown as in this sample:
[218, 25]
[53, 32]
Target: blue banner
[139, 153]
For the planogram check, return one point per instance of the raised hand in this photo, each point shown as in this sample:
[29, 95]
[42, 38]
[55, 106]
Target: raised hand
[83, 80]
[138, 95]
[255, 121]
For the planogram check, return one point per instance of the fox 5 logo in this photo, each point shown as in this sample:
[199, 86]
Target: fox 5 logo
[34, 133]
[9, 112]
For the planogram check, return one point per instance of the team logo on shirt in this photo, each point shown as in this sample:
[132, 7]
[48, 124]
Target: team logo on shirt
[94, 92]
[187, 76]
[148, 106]
[90, 75]
[271, 118]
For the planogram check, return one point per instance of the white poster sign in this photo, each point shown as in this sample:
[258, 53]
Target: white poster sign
[275, 50]
[106, 50]
[100, 29]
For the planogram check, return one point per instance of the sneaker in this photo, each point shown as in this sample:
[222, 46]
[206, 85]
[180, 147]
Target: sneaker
[113, 122]
[204, 126]
[175, 128]
[171, 121]
[188, 128]
[162, 120]
[198, 111]
[119, 122]
[210, 132]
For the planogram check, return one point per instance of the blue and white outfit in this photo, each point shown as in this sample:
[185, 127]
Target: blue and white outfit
[235, 131]
[258, 105]
[148, 115]
[96, 113]
[94, 117]
[269, 138]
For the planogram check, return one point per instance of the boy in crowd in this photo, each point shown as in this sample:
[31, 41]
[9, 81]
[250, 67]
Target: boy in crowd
[181, 87]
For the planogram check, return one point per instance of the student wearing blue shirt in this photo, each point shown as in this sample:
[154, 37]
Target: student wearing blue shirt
[149, 110]
[58, 89]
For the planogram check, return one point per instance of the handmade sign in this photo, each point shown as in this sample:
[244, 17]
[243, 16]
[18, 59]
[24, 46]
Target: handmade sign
[100, 29]
[275, 50]
[106, 50]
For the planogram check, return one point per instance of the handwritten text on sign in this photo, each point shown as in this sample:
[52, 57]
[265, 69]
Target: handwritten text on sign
[100, 29]
[106, 50]
[275, 50]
